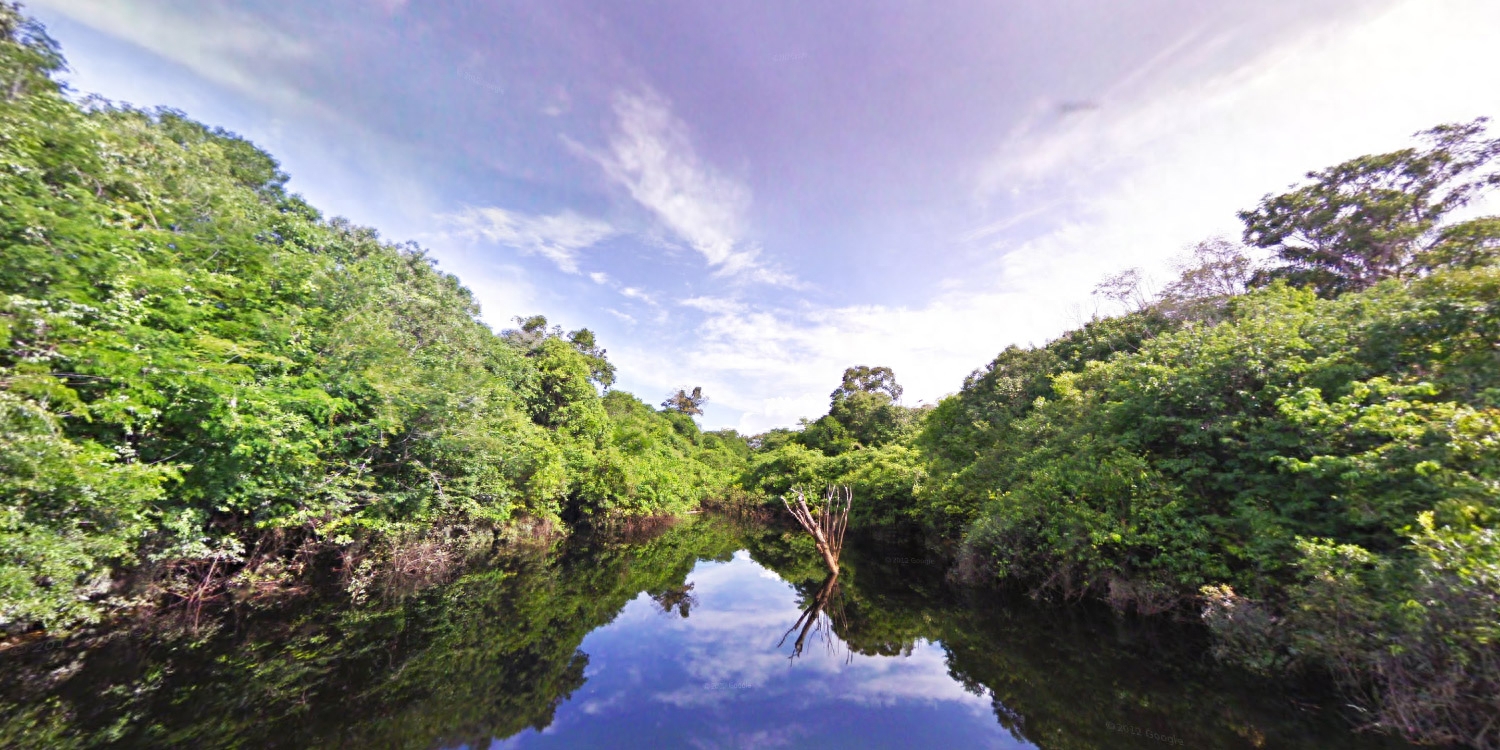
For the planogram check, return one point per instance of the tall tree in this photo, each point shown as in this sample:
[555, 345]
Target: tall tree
[864, 379]
[684, 402]
[1214, 271]
[1127, 288]
[31, 57]
[863, 409]
[1381, 216]
[532, 332]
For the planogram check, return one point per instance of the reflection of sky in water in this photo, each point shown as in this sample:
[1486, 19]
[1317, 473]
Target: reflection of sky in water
[717, 679]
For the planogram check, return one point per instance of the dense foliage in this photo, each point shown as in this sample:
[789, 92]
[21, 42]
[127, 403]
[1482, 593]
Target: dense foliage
[1308, 451]
[197, 368]
[202, 376]
[861, 443]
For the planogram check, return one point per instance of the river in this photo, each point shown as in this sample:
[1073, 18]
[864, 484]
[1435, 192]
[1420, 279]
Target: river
[685, 637]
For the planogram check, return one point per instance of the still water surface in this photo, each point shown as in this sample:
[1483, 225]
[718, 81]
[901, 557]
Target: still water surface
[685, 638]
[716, 678]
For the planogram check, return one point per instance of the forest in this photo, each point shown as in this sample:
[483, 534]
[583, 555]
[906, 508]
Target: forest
[1303, 451]
[211, 391]
[203, 380]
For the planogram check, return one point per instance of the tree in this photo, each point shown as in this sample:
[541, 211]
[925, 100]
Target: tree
[601, 370]
[31, 56]
[1214, 271]
[532, 332]
[1381, 216]
[1127, 288]
[863, 379]
[864, 406]
[683, 402]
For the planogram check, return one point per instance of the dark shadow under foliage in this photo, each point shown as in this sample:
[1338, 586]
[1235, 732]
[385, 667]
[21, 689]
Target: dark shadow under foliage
[496, 650]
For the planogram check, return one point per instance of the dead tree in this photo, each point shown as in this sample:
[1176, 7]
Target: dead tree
[827, 524]
[822, 612]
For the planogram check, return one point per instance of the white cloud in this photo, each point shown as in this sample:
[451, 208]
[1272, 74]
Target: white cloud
[713, 304]
[557, 238]
[651, 155]
[741, 602]
[1132, 183]
[222, 44]
[1142, 177]
[599, 277]
[635, 293]
[773, 366]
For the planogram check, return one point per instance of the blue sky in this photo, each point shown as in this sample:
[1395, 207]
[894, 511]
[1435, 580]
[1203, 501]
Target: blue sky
[752, 195]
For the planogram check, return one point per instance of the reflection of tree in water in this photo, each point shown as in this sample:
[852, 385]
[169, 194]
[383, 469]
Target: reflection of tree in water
[679, 598]
[825, 524]
[1074, 677]
[496, 651]
[487, 656]
[822, 613]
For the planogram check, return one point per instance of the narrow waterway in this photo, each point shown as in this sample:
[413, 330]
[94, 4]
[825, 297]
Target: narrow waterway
[690, 637]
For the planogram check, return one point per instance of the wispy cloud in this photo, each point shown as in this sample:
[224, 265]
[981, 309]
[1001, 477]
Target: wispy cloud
[557, 238]
[775, 364]
[1170, 157]
[651, 155]
[223, 44]
[635, 293]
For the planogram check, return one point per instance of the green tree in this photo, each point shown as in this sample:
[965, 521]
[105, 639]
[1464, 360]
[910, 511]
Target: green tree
[199, 371]
[1214, 272]
[864, 405]
[687, 403]
[1381, 216]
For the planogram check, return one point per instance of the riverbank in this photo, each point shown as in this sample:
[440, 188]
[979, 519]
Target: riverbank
[544, 637]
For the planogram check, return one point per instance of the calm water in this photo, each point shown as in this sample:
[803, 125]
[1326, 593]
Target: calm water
[688, 638]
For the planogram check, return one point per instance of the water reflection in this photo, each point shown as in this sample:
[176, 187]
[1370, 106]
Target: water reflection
[821, 615]
[679, 639]
[718, 679]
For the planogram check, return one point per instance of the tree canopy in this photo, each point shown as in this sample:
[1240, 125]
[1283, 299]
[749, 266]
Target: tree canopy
[1304, 450]
[200, 374]
[1383, 216]
[687, 403]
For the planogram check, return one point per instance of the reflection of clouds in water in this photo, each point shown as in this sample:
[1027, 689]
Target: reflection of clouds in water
[730, 640]
[922, 676]
[597, 705]
[778, 737]
[717, 679]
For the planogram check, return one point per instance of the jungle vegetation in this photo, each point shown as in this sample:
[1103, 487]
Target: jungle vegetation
[203, 381]
[1297, 441]
[206, 385]
[494, 651]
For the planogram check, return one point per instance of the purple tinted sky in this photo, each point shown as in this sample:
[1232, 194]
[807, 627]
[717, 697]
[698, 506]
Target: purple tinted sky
[750, 196]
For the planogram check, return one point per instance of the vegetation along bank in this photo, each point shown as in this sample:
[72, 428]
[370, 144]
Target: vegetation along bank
[207, 388]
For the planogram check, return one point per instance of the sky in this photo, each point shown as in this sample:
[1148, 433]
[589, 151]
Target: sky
[752, 195]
